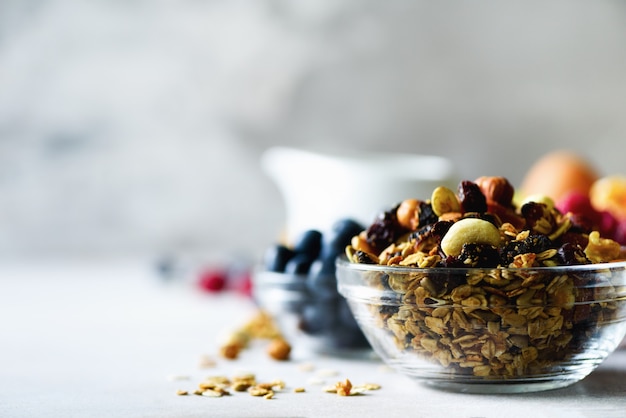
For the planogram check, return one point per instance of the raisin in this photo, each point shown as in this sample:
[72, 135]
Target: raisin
[479, 255]
[535, 243]
[471, 197]
[430, 236]
[441, 228]
[533, 212]
[426, 214]
[450, 261]
[571, 254]
[364, 258]
[574, 238]
[384, 231]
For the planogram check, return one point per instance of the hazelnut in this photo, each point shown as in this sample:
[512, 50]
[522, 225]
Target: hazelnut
[496, 189]
[279, 349]
[408, 214]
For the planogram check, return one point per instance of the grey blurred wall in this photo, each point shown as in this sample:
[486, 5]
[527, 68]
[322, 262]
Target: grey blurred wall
[135, 127]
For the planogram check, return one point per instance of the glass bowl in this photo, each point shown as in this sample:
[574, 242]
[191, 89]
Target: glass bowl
[311, 314]
[501, 330]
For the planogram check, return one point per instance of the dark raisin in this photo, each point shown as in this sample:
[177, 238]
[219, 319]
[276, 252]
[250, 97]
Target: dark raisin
[574, 238]
[533, 212]
[571, 254]
[450, 262]
[441, 228]
[426, 214]
[581, 223]
[471, 197]
[364, 258]
[430, 236]
[479, 255]
[384, 231]
[534, 243]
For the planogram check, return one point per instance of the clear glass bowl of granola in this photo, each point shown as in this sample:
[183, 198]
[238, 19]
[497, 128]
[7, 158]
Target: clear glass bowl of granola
[471, 292]
[490, 330]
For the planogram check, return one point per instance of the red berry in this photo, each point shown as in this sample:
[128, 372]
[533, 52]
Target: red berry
[579, 204]
[212, 281]
[607, 224]
[620, 233]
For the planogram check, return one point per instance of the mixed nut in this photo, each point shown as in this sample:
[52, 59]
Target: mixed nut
[477, 299]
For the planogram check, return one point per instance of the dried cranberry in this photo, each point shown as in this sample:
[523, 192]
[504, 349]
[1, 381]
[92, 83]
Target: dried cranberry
[471, 197]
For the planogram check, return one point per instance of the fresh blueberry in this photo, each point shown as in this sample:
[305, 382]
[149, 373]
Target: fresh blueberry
[318, 317]
[309, 243]
[320, 284]
[299, 264]
[276, 257]
[342, 337]
[323, 266]
[340, 235]
[345, 316]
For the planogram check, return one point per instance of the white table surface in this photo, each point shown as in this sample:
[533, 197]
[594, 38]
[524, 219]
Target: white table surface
[106, 339]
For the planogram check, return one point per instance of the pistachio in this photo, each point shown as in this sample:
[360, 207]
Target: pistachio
[444, 200]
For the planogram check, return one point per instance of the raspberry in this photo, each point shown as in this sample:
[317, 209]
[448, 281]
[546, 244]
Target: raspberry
[620, 233]
[212, 280]
[578, 204]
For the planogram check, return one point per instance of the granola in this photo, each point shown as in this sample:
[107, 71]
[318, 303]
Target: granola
[478, 302]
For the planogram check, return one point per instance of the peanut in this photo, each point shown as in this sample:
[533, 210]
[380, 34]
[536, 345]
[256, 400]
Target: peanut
[469, 231]
[279, 349]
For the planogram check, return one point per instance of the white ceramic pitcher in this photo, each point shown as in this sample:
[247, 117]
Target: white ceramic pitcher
[318, 189]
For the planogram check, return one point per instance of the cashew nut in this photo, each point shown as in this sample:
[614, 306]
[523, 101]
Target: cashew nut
[469, 231]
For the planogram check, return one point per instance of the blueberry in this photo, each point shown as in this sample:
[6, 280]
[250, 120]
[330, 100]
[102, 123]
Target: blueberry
[340, 235]
[345, 316]
[309, 243]
[322, 286]
[299, 264]
[323, 266]
[276, 257]
[318, 317]
[343, 337]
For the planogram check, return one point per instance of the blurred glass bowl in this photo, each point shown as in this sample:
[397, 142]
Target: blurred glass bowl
[489, 330]
[313, 317]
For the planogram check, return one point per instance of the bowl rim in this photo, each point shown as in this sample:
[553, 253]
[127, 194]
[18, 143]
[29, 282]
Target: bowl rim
[342, 263]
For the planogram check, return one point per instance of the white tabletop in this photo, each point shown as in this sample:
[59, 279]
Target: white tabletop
[110, 339]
